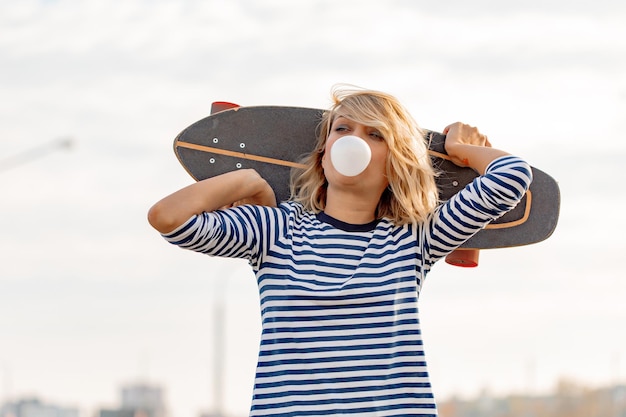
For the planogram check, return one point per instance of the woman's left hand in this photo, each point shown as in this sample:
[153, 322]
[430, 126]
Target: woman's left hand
[467, 147]
[462, 134]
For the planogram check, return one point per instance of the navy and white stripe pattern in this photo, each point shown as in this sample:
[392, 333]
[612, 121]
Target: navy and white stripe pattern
[341, 332]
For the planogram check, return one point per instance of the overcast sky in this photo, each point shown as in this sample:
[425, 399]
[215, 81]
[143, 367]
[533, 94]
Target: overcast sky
[92, 298]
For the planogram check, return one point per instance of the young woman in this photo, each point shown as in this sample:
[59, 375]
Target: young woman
[340, 267]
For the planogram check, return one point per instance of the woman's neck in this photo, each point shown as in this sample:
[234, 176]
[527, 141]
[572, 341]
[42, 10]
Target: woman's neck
[350, 208]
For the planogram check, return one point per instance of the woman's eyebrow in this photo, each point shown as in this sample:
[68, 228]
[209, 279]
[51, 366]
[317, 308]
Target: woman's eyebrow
[341, 116]
[335, 119]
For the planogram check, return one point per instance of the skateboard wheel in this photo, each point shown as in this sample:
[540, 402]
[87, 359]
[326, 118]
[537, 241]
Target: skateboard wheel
[466, 258]
[218, 106]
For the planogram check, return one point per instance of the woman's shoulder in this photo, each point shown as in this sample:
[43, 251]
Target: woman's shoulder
[296, 211]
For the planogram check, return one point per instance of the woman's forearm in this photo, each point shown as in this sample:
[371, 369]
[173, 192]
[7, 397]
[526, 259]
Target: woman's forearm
[209, 195]
[474, 156]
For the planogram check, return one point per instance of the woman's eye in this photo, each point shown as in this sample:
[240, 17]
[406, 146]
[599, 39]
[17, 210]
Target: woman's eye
[341, 128]
[377, 135]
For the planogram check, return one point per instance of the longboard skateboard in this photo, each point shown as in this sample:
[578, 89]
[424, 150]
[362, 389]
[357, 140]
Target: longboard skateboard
[272, 139]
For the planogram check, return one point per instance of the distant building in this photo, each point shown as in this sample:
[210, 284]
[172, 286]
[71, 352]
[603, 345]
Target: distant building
[139, 400]
[33, 407]
[569, 400]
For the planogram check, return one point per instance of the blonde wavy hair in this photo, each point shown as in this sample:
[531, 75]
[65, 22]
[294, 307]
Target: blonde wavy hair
[412, 193]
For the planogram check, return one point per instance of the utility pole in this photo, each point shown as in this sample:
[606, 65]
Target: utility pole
[218, 360]
[218, 349]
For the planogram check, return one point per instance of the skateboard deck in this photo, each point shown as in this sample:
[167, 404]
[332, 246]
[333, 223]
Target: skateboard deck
[272, 139]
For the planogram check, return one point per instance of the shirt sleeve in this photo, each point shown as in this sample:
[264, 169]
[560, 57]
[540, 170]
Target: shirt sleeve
[240, 232]
[487, 198]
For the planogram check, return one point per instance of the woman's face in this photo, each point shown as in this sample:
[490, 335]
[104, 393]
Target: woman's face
[373, 178]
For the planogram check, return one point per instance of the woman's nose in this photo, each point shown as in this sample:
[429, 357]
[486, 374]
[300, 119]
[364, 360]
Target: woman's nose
[360, 132]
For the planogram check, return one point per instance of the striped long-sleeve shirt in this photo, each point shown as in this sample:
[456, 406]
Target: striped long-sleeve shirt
[340, 326]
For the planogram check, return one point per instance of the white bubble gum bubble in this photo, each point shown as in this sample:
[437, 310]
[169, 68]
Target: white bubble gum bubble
[350, 155]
